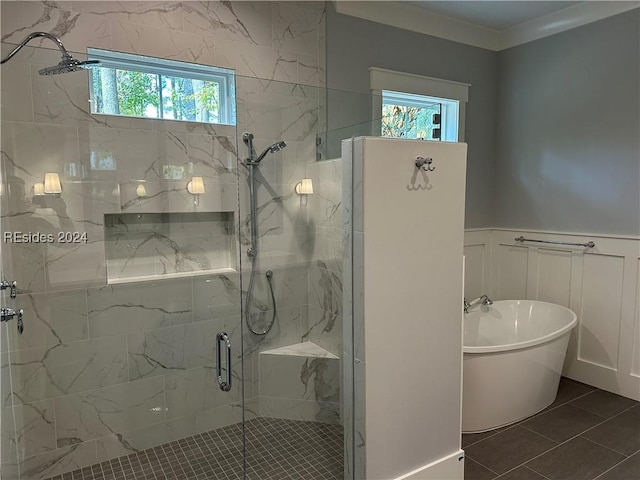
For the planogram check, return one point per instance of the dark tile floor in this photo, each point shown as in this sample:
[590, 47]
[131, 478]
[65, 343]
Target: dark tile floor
[586, 434]
[275, 449]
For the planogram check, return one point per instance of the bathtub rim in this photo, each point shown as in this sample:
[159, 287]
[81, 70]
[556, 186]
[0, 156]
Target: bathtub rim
[529, 343]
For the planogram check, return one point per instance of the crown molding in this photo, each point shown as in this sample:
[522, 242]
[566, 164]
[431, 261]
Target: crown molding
[416, 19]
[562, 20]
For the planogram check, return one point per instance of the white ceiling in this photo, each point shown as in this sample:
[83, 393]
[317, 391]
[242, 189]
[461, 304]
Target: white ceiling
[499, 16]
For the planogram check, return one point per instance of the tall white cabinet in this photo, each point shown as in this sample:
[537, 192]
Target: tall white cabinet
[405, 224]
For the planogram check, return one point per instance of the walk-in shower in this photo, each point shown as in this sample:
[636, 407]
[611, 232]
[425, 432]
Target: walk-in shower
[67, 64]
[252, 163]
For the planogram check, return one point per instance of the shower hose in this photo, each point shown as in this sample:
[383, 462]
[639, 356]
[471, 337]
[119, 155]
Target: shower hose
[269, 275]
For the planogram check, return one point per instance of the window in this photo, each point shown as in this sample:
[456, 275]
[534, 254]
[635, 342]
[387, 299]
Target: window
[407, 115]
[414, 106]
[138, 86]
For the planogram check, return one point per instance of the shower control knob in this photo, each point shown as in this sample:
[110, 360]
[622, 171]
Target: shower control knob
[251, 252]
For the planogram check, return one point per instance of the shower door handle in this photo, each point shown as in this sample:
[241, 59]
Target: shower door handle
[225, 386]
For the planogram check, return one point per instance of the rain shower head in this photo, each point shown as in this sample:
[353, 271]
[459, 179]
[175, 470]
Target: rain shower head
[66, 65]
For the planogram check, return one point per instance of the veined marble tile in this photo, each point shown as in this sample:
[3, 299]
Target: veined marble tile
[109, 411]
[58, 461]
[162, 43]
[8, 445]
[300, 377]
[75, 30]
[295, 26]
[346, 411]
[211, 157]
[5, 379]
[326, 207]
[16, 92]
[289, 119]
[196, 390]
[257, 61]
[293, 163]
[359, 417]
[306, 410]
[50, 319]
[155, 14]
[33, 149]
[61, 99]
[359, 350]
[216, 296]
[325, 289]
[220, 417]
[122, 309]
[146, 437]
[86, 202]
[179, 348]
[173, 197]
[290, 325]
[308, 70]
[40, 373]
[325, 329]
[242, 22]
[25, 264]
[75, 265]
[34, 427]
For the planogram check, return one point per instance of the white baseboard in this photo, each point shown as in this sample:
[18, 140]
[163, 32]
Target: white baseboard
[450, 467]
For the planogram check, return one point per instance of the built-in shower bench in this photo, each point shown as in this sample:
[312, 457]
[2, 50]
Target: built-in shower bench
[300, 382]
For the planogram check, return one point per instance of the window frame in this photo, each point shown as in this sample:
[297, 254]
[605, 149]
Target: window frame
[389, 80]
[170, 68]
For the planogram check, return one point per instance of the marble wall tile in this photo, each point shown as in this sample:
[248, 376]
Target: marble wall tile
[179, 348]
[257, 61]
[216, 296]
[50, 319]
[33, 431]
[289, 119]
[163, 43]
[25, 264]
[196, 390]
[61, 99]
[85, 204]
[40, 373]
[220, 417]
[306, 410]
[346, 412]
[33, 149]
[288, 329]
[156, 14]
[295, 26]
[6, 395]
[108, 411]
[292, 164]
[211, 157]
[308, 70]
[16, 93]
[325, 290]
[299, 377]
[76, 30]
[9, 458]
[121, 309]
[75, 265]
[325, 329]
[58, 461]
[242, 22]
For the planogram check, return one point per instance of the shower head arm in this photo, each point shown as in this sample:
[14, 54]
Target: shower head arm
[31, 36]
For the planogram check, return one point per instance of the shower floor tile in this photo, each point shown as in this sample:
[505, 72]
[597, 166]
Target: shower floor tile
[275, 449]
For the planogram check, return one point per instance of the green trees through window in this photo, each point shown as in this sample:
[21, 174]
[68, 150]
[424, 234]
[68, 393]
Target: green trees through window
[131, 85]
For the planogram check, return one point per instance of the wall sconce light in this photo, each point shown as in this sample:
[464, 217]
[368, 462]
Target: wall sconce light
[38, 189]
[304, 188]
[52, 183]
[196, 187]
[141, 191]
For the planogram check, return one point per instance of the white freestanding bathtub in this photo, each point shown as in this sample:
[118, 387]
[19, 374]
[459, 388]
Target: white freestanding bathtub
[513, 356]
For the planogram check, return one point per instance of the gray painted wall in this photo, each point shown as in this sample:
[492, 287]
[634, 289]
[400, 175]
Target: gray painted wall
[568, 131]
[354, 45]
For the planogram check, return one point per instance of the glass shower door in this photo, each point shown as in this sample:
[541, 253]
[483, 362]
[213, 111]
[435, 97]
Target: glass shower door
[125, 278]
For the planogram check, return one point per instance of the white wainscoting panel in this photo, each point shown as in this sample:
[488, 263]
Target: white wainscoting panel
[600, 284]
[511, 272]
[600, 310]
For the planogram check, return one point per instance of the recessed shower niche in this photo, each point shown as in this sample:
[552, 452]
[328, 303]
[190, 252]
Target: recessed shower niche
[148, 246]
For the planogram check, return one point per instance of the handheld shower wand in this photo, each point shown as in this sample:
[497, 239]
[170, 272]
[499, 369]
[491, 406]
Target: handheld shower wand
[252, 163]
[66, 65]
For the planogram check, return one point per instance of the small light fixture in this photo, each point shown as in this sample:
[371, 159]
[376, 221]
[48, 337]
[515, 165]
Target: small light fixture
[52, 183]
[304, 188]
[141, 191]
[38, 189]
[196, 187]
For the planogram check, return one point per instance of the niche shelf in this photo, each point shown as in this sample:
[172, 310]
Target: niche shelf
[152, 246]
